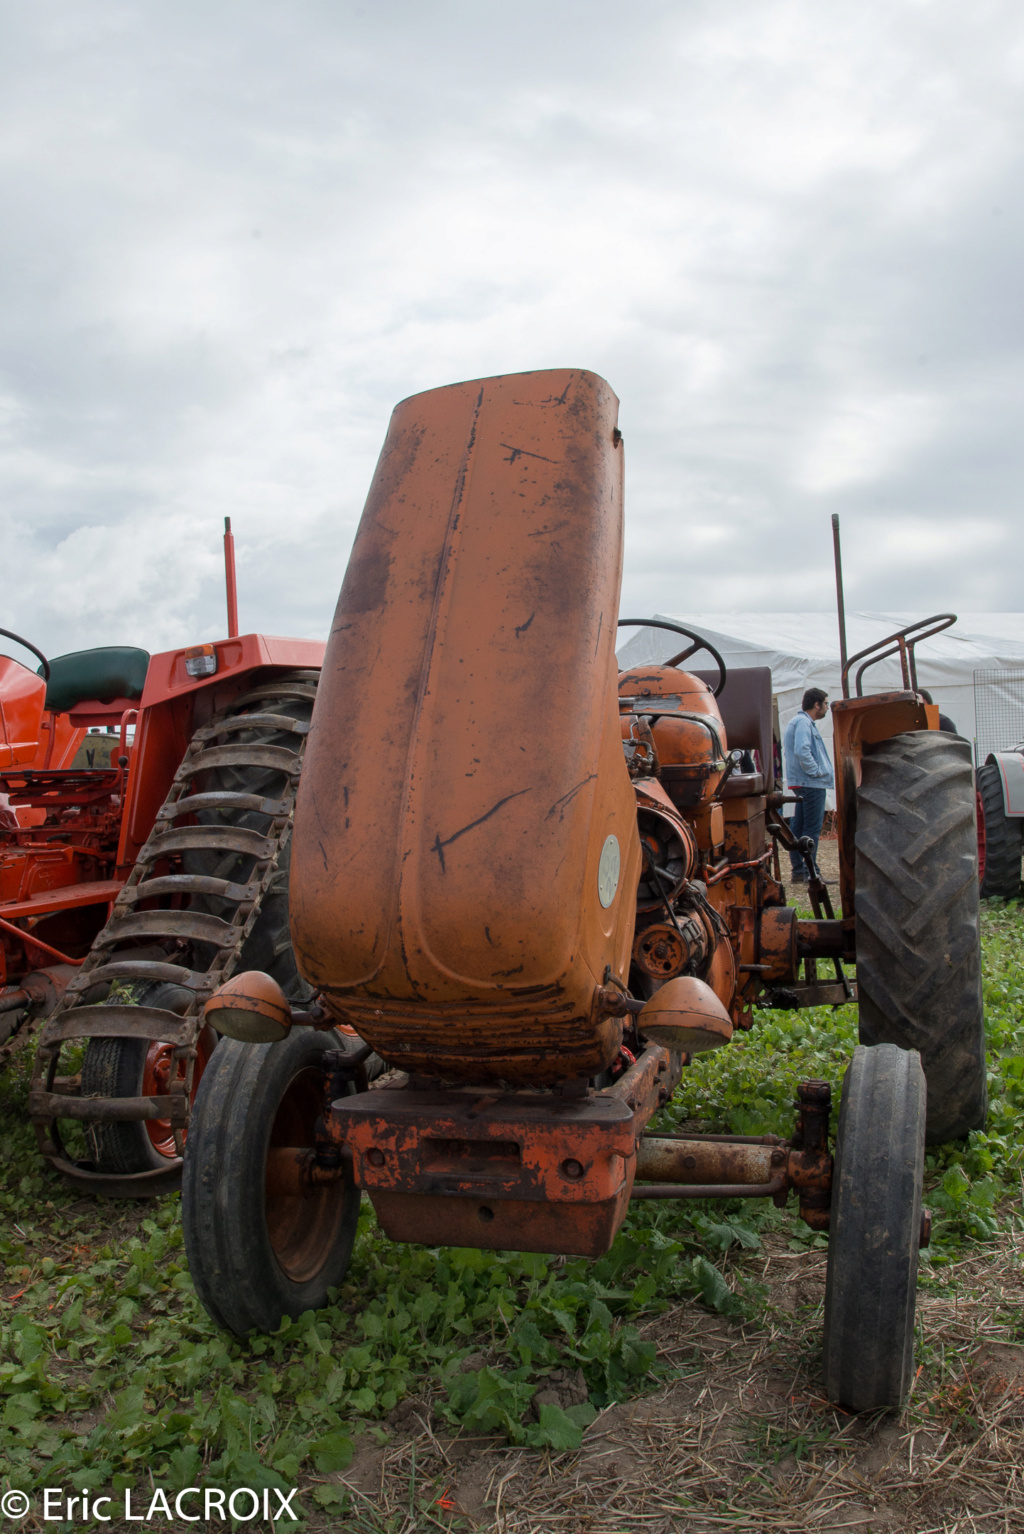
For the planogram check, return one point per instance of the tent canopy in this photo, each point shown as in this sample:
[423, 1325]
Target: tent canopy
[802, 650]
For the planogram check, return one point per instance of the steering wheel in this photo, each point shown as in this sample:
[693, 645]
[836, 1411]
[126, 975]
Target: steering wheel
[38, 653]
[677, 628]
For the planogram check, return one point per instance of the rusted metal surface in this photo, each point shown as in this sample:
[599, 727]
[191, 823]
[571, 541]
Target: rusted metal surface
[201, 838]
[685, 1014]
[520, 1225]
[779, 944]
[465, 784]
[726, 1167]
[902, 642]
[732, 869]
[537, 1147]
[857, 722]
[554, 1172]
[679, 1167]
[143, 969]
[250, 1006]
[825, 939]
[702, 1161]
[189, 926]
[55, 1105]
[770, 1189]
[294, 1170]
[661, 951]
[823, 994]
[810, 1164]
[115, 1022]
[276, 758]
[648, 1084]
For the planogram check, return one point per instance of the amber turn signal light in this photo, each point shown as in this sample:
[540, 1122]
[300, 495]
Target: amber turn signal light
[201, 660]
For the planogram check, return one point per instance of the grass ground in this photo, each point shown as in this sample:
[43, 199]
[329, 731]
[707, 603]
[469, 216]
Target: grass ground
[672, 1385]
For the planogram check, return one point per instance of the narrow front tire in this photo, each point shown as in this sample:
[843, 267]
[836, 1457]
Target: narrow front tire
[256, 1256]
[875, 1230]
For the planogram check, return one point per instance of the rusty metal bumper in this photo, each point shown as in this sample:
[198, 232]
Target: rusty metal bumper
[545, 1172]
[534, 1172]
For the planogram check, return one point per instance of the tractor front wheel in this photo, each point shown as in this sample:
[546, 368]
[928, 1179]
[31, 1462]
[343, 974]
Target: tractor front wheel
[917, 923]
[257, 1253]
[875, 1230]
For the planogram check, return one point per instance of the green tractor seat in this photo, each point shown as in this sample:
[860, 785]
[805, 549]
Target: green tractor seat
[100, 676]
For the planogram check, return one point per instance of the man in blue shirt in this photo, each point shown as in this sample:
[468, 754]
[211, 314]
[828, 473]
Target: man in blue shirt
[808, 775]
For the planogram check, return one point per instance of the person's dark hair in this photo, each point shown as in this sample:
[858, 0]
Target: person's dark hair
[812, 696]
[926, 695]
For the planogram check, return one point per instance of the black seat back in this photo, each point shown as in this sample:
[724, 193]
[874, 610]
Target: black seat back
[746, 708]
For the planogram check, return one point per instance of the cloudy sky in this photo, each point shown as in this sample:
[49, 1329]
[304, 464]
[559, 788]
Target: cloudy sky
[234, 234]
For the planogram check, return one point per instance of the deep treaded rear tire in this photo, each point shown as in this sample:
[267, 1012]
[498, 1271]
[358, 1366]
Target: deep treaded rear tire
[1001, 875]
[918, 936]
[875, 1230]
[254, 1260]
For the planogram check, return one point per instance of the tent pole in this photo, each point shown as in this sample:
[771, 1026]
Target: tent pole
[840, 604]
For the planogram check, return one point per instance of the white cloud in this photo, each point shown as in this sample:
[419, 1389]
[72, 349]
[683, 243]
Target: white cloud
[865, 438]
[237, 235]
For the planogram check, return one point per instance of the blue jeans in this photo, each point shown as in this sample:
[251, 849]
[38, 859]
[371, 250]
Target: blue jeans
[808, 814]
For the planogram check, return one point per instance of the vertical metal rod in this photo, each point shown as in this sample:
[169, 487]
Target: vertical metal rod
[229, 577]
[840, 604]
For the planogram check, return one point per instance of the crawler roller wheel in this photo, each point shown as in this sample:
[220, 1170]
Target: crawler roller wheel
[256, 1257]
[875, 1230]
[139, 1068]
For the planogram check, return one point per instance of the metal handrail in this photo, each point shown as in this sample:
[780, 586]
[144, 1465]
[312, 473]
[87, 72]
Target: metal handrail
[896, 642]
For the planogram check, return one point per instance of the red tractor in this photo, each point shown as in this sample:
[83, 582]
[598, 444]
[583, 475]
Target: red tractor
[59, 824]
[138, 888]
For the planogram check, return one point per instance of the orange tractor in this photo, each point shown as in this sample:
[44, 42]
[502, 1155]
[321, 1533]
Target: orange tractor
[131, 891]
[536, 890]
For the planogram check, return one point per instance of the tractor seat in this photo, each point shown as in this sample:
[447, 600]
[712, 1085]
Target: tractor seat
[96, 676]
[746, 709]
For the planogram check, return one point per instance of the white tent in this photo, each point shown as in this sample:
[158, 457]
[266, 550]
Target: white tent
[802, 650]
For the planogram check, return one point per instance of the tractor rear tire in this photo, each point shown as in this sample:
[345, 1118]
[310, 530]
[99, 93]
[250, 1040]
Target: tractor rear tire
[137, 1068]
[1001, 872]
[255, 1260]
[917, 924]
[875, 1230]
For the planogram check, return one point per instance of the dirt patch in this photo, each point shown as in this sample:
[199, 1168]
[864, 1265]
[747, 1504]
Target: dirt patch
[737, 1434]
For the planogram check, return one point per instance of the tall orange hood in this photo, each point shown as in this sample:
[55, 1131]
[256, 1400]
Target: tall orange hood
[465, 853]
